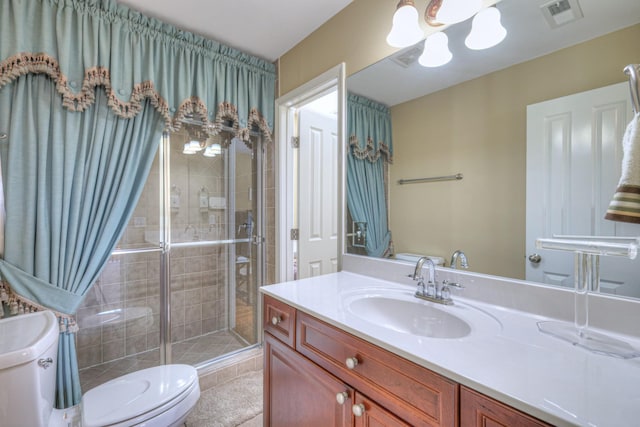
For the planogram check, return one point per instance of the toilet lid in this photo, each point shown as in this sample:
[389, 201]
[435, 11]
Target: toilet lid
[135, 394]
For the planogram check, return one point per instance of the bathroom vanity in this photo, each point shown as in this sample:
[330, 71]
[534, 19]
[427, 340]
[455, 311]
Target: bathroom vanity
[346, 349]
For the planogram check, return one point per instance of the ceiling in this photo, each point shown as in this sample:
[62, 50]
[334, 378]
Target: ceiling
[266, 29]
[528, 36]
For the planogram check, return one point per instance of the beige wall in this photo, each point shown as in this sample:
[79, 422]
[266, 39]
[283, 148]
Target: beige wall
[478, 128]
[355, 36]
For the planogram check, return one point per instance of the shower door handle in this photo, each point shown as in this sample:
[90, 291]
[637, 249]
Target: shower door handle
[257, 240]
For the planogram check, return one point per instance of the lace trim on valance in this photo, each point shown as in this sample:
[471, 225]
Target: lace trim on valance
[369, 152]
[16, 305]
[40, 63]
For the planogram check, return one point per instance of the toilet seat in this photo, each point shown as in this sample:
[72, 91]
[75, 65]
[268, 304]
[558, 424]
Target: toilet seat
[166, 392]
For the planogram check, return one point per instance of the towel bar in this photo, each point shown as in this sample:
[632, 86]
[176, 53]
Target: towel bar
[455, 177]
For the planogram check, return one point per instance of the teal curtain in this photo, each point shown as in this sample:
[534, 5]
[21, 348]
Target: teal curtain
[370, 146]
[84, 43]
[86, 87]
[71, 182]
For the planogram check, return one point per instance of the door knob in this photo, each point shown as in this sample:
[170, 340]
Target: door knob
[535, 258]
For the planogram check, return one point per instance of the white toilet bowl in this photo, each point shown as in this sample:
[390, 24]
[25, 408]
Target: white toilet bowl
[161, 396]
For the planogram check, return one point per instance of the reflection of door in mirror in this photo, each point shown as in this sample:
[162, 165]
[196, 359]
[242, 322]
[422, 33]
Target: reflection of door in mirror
[573, 166]
[318, 199]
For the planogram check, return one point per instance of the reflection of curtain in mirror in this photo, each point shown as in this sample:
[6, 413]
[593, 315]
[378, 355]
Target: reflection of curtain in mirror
[370, 147]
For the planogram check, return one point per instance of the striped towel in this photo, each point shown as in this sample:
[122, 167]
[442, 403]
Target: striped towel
[625, 205]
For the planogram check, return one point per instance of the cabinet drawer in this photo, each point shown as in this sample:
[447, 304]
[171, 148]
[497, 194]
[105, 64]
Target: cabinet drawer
[478, 410]
[419, 396]
[279, 319]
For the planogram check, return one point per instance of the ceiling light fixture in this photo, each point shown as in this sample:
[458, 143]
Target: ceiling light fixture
[188, 149]
[405, 30]
[212, 150]
[436, 51]
[486, 31]
[197, 139]
[447, 12]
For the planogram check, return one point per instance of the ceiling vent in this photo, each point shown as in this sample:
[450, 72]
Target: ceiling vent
[561, 12]
[406, 57]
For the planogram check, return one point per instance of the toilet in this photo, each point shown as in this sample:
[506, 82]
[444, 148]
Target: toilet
[161, 396]
[413, 258]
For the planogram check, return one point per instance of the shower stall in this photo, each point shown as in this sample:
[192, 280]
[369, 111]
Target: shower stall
[182, 284]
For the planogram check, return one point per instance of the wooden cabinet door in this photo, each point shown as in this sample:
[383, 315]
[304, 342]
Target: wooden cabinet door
[297, 393]
[478, 410]
[370, 414]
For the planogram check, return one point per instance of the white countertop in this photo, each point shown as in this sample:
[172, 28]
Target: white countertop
[515, 363]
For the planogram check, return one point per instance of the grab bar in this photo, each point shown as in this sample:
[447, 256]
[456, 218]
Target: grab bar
[455, 177]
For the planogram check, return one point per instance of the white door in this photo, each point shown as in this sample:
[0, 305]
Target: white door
[574, 156]
[318, 195]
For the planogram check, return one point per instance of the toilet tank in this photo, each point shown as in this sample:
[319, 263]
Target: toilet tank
[413, 258]
[28, 356]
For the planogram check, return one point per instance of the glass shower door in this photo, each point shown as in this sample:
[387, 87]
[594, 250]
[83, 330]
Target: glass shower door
[193, 238]
[215, 212]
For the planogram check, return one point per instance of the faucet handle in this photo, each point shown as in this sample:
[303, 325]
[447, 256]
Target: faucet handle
[453, 284]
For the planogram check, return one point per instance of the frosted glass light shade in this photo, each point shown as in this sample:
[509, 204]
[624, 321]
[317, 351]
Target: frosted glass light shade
[405, 30]
[188, 149]
[454, 11]
[436, 51]
[212, 150]
[196, 145]
[486, 30]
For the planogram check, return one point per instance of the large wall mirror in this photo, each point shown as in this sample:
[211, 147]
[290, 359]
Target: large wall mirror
[469, 117]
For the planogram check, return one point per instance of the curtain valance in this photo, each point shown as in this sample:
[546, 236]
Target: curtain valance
[82, 44]
[369, 127]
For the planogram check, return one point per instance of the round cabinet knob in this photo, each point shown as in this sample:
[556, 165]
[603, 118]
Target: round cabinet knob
[342, 397]
[358, 410]
[535, 258]
[275, 320]
[351, 362]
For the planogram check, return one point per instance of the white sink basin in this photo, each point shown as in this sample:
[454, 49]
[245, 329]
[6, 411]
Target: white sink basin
[400, 311]
[410, 317]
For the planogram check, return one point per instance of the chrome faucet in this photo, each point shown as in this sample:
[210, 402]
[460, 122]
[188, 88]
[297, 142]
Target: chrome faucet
[454, 260]
[417, 273]
[433, 291]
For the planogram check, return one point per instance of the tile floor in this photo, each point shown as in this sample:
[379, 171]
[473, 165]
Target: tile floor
[254, 422]
[238, 396]
[191, 352]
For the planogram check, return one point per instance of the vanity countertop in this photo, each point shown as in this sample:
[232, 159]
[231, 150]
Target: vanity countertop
[539, 374]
